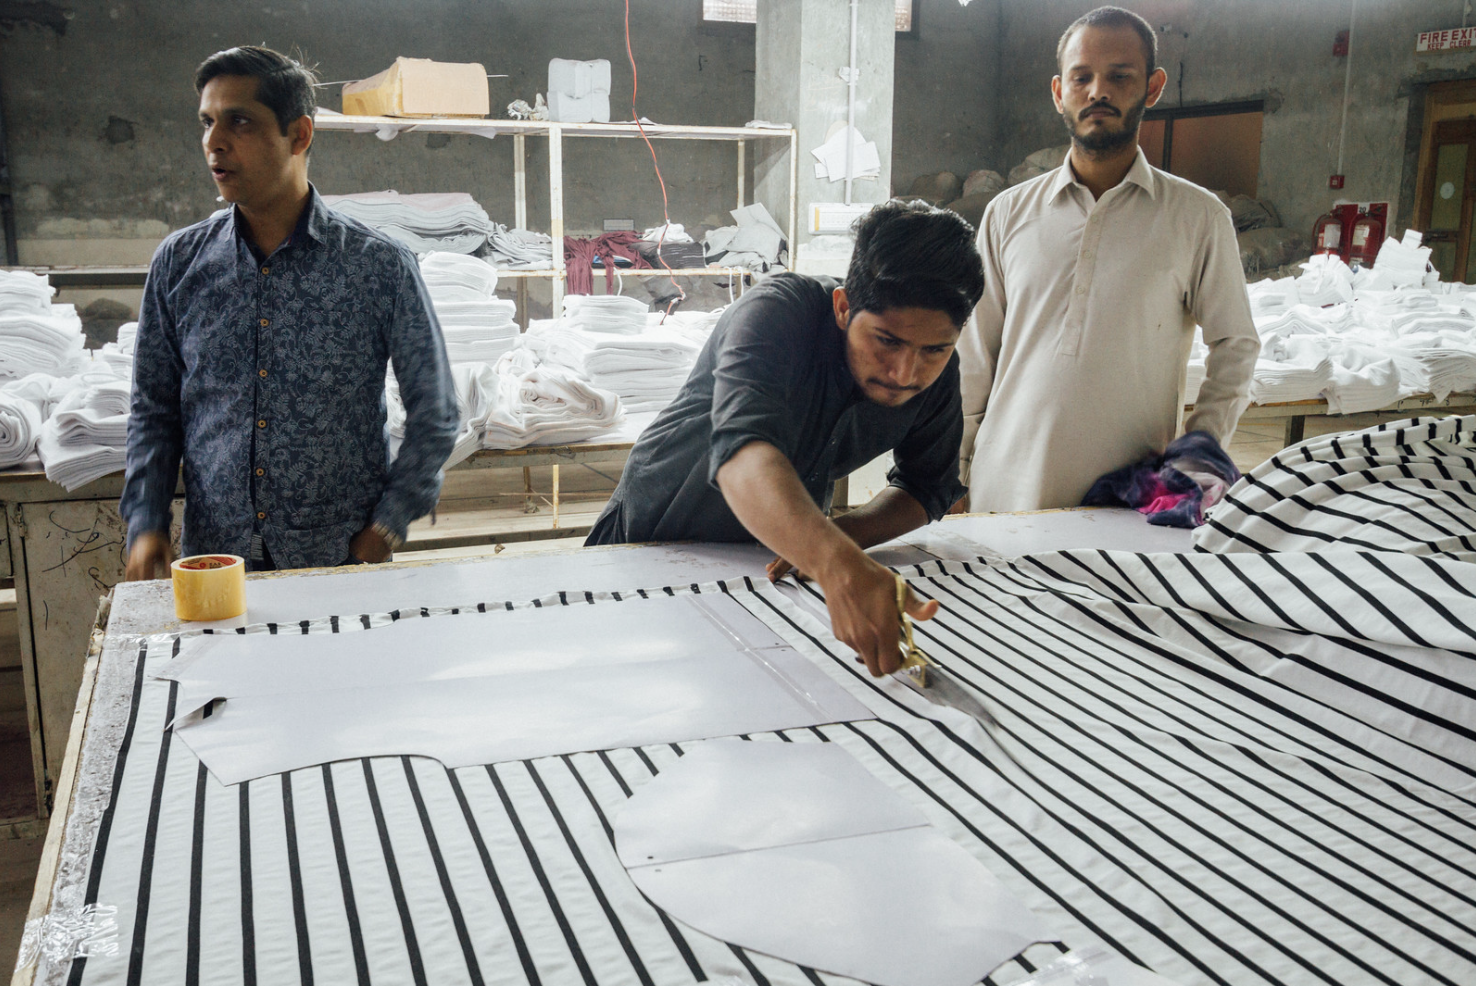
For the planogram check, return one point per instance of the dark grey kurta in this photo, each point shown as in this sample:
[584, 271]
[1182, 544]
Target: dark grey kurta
[775, 371]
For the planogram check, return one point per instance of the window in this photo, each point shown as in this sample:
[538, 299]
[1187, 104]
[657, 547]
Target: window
[1217, 147]
[746, 12]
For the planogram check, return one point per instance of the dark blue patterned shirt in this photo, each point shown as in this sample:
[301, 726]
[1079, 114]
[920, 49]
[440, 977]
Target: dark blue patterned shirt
[266, 378]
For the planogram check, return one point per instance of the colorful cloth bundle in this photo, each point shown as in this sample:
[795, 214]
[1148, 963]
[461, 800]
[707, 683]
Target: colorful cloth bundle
[1173, 489]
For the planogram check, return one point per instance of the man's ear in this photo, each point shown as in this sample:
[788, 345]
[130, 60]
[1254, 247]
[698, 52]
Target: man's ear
[301, 132]
[1156, 82]
[1056, 92]
[842, 306]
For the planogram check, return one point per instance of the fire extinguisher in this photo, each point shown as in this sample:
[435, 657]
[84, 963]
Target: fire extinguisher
[1363, 245]
[1327, 234]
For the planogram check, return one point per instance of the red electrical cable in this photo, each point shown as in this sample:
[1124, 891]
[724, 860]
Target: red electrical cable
[635, 84]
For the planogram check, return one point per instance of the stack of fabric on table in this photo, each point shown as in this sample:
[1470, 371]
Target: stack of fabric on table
[612, 313]
[450, 221]
[519, 249]
[119, 355]
[476, 387]
[87, 433]
[36, 336]
[543, 403]
[645, 369]
[24, 406]
[478, 326]
[1360, 340]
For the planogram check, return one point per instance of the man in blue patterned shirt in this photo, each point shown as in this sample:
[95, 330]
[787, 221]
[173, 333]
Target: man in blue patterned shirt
[261, 352]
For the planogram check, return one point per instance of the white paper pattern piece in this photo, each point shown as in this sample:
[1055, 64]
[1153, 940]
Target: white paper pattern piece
[485, 688]
[830, 157]
[797, 851]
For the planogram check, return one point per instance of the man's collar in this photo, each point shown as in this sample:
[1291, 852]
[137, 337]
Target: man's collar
[1139, 174]
[312, 222]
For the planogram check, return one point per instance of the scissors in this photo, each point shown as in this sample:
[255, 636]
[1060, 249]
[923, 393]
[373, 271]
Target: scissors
[924, 675]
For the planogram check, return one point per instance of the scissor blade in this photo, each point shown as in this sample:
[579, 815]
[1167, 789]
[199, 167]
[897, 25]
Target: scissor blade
[940, 689]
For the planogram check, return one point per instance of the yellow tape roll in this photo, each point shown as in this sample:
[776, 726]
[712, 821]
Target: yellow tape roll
[209, 587]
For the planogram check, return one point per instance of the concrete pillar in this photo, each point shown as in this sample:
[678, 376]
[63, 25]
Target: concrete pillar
[802, 48]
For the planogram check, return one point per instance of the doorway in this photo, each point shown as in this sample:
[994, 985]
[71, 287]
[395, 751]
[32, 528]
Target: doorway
[1217, 147]
[1446, 184]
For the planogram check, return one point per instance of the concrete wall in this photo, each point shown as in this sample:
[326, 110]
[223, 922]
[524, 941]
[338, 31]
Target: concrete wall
[103, 137]
[1225, 50]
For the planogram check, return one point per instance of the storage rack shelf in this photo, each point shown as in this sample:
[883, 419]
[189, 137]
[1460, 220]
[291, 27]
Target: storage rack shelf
[521, 130]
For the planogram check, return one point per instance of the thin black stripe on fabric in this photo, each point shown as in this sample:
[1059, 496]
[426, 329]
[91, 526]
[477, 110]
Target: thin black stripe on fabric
[105, 824]
[594, 885]
[1069, 722]
[248, 915]
[519, 945]
[197, 861]
[345, 879]
[412, 944]
[677, 939]
[151, 836]
[294, 869]
[473, 968]
[553, 902]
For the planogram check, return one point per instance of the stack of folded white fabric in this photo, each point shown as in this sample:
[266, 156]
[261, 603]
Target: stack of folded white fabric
[613, 313]
[1366, 378]
[646, 370]
[478, 326]
[540, 403]
[519, 249]
[86, 436]
[451, 221]
[20, 428]
[1449, 370]
[1301, 371]
[119, 355]
[35, 335]
[476, 387]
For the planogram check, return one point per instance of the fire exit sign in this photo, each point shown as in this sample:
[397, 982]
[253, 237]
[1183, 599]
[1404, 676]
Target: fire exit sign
[1456, 37]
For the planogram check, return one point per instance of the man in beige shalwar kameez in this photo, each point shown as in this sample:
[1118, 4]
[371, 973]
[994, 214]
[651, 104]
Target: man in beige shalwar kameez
[1095, 277]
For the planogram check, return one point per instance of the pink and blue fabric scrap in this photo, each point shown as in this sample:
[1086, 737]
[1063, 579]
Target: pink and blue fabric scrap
[1173, 489]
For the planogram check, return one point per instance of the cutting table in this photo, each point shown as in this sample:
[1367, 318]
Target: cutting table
[1115, 825]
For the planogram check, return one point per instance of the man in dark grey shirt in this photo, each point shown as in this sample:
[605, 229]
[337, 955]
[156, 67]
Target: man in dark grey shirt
[802, 382]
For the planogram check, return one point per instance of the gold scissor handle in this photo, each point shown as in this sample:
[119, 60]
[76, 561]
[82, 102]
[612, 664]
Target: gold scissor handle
[914, 661]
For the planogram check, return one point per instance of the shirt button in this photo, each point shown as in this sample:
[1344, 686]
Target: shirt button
[261, 515]
[265, 323]
[261, 373]
[266, 270]
[262, 423]
[261, 472]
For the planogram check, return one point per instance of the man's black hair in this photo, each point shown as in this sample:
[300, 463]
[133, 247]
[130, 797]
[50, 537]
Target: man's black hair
[284, 85]
[1112, 17]
[914, 255]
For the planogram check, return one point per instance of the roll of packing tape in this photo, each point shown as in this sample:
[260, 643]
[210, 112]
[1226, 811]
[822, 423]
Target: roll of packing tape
[209, 587]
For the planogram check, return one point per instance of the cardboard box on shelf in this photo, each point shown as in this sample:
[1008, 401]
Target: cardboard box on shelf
[419, 87]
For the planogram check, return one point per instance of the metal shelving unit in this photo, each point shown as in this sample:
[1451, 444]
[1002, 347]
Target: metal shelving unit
[521, 130]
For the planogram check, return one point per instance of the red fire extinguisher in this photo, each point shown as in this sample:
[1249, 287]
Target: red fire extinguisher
[1363, 245]
[1327, 234]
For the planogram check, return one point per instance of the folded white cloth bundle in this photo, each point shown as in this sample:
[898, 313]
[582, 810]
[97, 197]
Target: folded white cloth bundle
[1302, 372]
[612, 313]
[21, 290]
[544, 403]
[445, 221]
[20, 428]
[519, 249]
[457, 277]
[646, 370]
[1403, 262]
[119, 355]
[1366, 378]
[86, 436]
[1326, 281]
[40, 341]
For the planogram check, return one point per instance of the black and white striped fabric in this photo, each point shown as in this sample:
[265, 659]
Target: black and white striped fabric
[1155, 783]
[1402, 486]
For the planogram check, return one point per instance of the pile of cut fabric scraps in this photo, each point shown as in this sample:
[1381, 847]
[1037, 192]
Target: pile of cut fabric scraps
[1360, 340]
[756, 242]
[1174, 489]
[449, 221]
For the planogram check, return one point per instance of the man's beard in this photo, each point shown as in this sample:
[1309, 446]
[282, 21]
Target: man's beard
[1104, 141]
